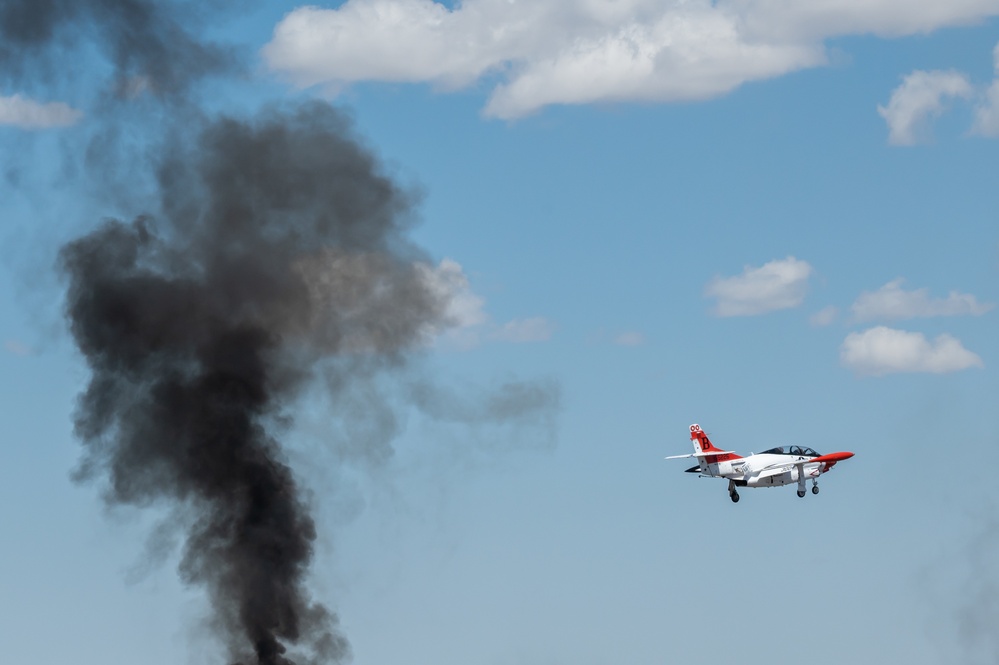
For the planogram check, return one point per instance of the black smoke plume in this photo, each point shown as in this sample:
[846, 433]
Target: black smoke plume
[147, 41]
[279, 251]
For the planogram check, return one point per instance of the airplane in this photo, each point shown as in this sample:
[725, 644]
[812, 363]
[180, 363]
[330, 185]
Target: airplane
[783, 465]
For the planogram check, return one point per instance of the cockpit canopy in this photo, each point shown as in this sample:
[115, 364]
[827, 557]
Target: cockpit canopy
[791, 450]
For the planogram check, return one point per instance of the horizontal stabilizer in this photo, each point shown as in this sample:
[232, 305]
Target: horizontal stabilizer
[710, 453]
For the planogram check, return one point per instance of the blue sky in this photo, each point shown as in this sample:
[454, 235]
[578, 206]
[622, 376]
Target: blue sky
[779, 223]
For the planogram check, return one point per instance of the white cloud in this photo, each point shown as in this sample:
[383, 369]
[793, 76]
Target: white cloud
[987, 113]
[824, 316]
[885, 18]
[891, 301]
[879, 351]
[29, 114]
[535, 329]
[776, 285]
[447, 280]
[466, 323]
[987, 110]
[920, 98]
[922, 95]
[578, 51]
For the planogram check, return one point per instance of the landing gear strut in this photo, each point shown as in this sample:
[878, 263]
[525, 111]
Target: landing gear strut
[732, 493]
[801, 481]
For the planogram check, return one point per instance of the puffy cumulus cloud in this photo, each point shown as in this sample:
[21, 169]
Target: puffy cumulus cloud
[780, 284]
[920, 97]
[466, 322]
[463, 307]
[791, 19]
[891, 301]
[692, 52]
[987, 109]
[27, 113]
[881, 350]
[573, 52]
[987, 113]
[389, 40]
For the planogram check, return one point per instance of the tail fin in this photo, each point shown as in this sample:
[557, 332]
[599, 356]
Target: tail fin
[702, 444]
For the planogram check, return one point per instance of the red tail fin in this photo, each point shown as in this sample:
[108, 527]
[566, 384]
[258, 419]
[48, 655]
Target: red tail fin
[702, 444]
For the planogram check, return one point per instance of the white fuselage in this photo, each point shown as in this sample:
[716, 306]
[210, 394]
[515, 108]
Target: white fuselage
[763, 470]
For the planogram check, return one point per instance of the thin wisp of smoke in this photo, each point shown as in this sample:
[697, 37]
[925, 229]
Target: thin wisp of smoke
[148, 42]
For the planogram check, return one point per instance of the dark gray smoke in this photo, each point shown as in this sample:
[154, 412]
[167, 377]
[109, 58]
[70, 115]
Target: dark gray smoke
[277, 253]
[280, 250]
[146, 40]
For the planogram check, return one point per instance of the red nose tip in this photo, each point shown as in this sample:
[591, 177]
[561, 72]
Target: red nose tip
[832, 457]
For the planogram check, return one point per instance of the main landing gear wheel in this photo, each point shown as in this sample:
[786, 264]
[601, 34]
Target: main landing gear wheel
[801, 493]
[815, 489]
[734, 496]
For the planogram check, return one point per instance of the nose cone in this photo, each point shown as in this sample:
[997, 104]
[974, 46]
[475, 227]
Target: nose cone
[832, 458]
